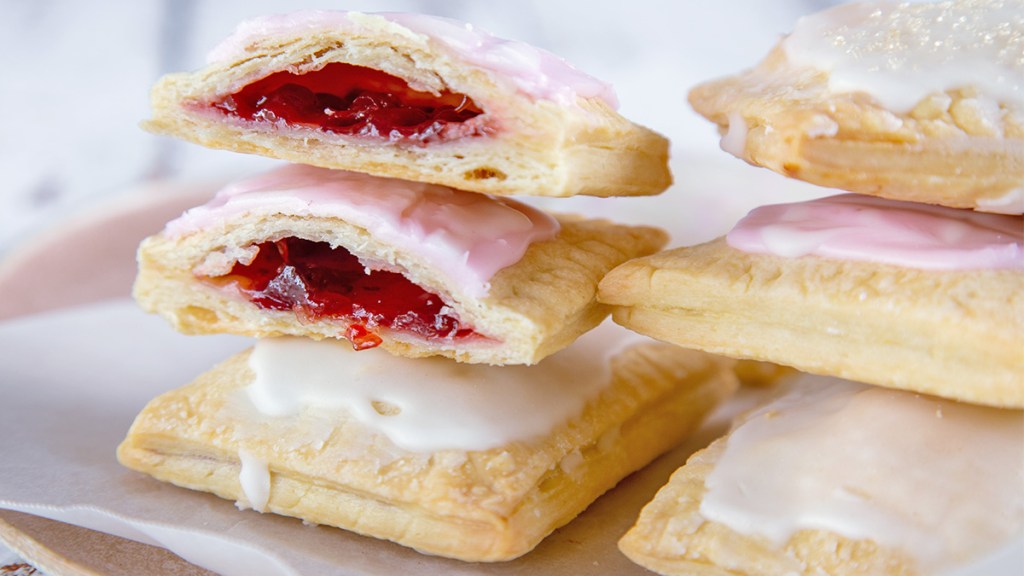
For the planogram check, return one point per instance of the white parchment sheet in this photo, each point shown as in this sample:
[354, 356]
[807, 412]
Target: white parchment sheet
[72, 381]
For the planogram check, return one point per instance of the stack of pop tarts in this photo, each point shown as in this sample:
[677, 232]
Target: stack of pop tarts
[429, 367]
[912, 286]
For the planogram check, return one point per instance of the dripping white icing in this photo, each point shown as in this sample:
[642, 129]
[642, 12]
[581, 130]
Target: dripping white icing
[255, 480]
[734, 141]
[429, 404]
[902, 52]
[938, 479]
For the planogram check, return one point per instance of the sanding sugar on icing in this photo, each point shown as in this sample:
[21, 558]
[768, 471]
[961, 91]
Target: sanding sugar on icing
[901, 52]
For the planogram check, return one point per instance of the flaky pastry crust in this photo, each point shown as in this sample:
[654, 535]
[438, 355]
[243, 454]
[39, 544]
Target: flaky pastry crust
[533, 308]
[672, 538]
[487, 505]
[950, 149]
[955, 334]
[537, 147]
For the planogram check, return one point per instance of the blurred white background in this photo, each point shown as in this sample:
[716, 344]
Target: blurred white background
[77, 75]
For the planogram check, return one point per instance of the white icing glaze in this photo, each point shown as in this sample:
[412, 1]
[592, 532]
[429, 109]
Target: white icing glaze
[534, 72]
[902, 52]
[823, 126]
[255, 480]
[937, 479]
[430, 404]
[1012, 202]
[466, 236]
[734, 141]
[865, 228]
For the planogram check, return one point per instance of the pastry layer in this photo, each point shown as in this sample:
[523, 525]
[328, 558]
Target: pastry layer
[841, 478]
[545, 128]
[326, 467]
[533, 307]
[957, 334]
[762, 374]
[826, 105]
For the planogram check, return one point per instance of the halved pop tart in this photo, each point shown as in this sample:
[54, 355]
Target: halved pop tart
[416, 268]
[414, 97]
[898, 294]
[845, 479]
[920, 101]
[472, 462]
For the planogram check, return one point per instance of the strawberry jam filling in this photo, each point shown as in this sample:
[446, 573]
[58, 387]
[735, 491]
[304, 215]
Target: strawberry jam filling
[356, 101]
[317, 281]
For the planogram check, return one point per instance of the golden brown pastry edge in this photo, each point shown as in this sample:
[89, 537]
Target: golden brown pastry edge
[515, 496]
[941, 152]
[537, 306]
[540, 148]
[671, 538]
[956, 334]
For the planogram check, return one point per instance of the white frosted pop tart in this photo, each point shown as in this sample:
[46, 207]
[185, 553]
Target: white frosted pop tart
[417, 269]
[845, 479]
[472, 462]
[919, 101]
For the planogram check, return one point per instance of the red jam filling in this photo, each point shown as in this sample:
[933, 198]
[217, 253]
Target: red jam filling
[353, 100]
[317, 281]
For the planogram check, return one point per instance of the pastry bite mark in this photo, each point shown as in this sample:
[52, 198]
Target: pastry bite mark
[358, 101]
[912, 101]
[841, 478]
[863, 228]
[415, 268]
[444, 468]
[412, 97]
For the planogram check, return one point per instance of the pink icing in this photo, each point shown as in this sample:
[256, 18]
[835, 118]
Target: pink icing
[865, 228]
[534, 72]
[467, 236]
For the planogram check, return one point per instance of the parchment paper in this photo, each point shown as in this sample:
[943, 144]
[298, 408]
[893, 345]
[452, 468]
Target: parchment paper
[72, 381]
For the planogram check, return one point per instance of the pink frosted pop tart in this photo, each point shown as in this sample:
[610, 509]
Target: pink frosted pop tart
[414, 97]
[418, 269]
[898, 294]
